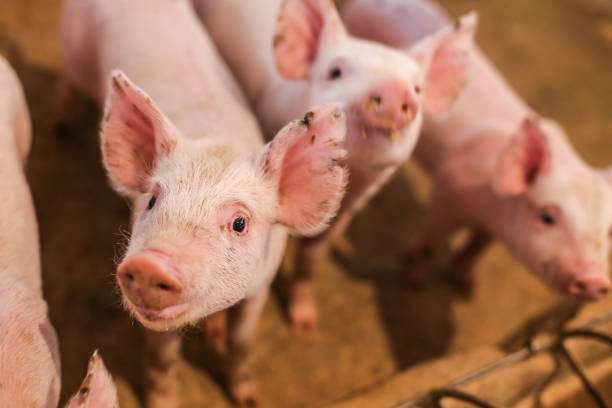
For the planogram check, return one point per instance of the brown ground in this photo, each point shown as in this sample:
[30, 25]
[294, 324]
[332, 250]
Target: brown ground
[557, 53]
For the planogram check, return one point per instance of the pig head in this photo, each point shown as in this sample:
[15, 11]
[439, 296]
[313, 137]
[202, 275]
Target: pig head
[383, 91]
[557, 210]
[203, 213]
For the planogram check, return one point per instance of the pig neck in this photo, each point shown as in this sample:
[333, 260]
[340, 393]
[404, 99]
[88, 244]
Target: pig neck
[246, 45]
[178, 67]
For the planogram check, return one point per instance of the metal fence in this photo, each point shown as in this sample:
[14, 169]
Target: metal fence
[555, 345]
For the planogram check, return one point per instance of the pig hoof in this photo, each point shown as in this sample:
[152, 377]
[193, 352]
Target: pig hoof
[245, 393]
[303, 311]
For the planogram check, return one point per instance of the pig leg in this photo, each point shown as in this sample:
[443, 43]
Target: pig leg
[242, 321]
[464, 260]
[214, 328]
[438, 225]
[162, 356]
[301, 300]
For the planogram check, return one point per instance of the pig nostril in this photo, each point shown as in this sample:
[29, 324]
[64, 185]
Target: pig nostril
[163, 286]
[405, 107]
[603, 291]
[581, 286]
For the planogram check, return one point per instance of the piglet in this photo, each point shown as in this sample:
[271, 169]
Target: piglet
[97, 389]
[500, 169]
[29, 356]
[293, 53]
[211, 204]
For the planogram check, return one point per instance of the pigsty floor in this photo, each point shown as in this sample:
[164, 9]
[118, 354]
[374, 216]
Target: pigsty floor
[557, 53]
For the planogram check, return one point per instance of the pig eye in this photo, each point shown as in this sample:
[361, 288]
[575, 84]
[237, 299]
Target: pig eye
[547, 217]
[417, 89]
[151, 202]
[335, 73]
[239, 224]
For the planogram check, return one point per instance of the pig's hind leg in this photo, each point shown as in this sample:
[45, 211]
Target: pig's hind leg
[241, 325]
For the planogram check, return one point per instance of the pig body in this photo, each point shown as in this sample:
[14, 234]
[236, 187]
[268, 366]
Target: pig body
[289, 54]
[211, 204]
[29, 356]
[500, 169]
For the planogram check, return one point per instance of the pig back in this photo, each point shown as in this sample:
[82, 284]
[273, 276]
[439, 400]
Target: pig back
[163, 49]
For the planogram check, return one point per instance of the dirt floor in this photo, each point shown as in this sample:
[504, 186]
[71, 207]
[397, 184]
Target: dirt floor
[558, 55]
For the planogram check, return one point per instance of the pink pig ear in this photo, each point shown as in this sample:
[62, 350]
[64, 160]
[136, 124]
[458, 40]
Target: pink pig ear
[524, 159]
[306, 160]
[444, 56]
[97, 389]
[303, 28]
[134, 135]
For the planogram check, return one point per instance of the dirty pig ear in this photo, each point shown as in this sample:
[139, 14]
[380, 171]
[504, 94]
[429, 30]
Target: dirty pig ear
[134, 134]
[304, 27]
[305, 161]
[444, 57]
[97, 389]
[523, 160]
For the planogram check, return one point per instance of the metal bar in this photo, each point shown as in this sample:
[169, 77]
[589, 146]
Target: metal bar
[556, 348]
[440, 394]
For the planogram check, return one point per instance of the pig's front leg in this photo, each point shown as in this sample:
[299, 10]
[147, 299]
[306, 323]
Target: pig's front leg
[463, 261]
[438, 225]
[161, 364]
[214, 329]
[301, 299]
[241, 325]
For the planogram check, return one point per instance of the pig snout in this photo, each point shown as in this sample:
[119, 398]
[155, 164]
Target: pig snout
[592, 285]
[149, 282]
[390, 105]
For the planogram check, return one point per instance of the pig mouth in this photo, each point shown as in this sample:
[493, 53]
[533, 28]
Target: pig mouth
[167, 314]
[391, 133]
[368, 131]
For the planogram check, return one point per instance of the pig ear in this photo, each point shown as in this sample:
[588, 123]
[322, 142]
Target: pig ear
[97, 389]
[134, 135]
[304, 27]
[444, 57]
[523, 160]
[305, 160]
